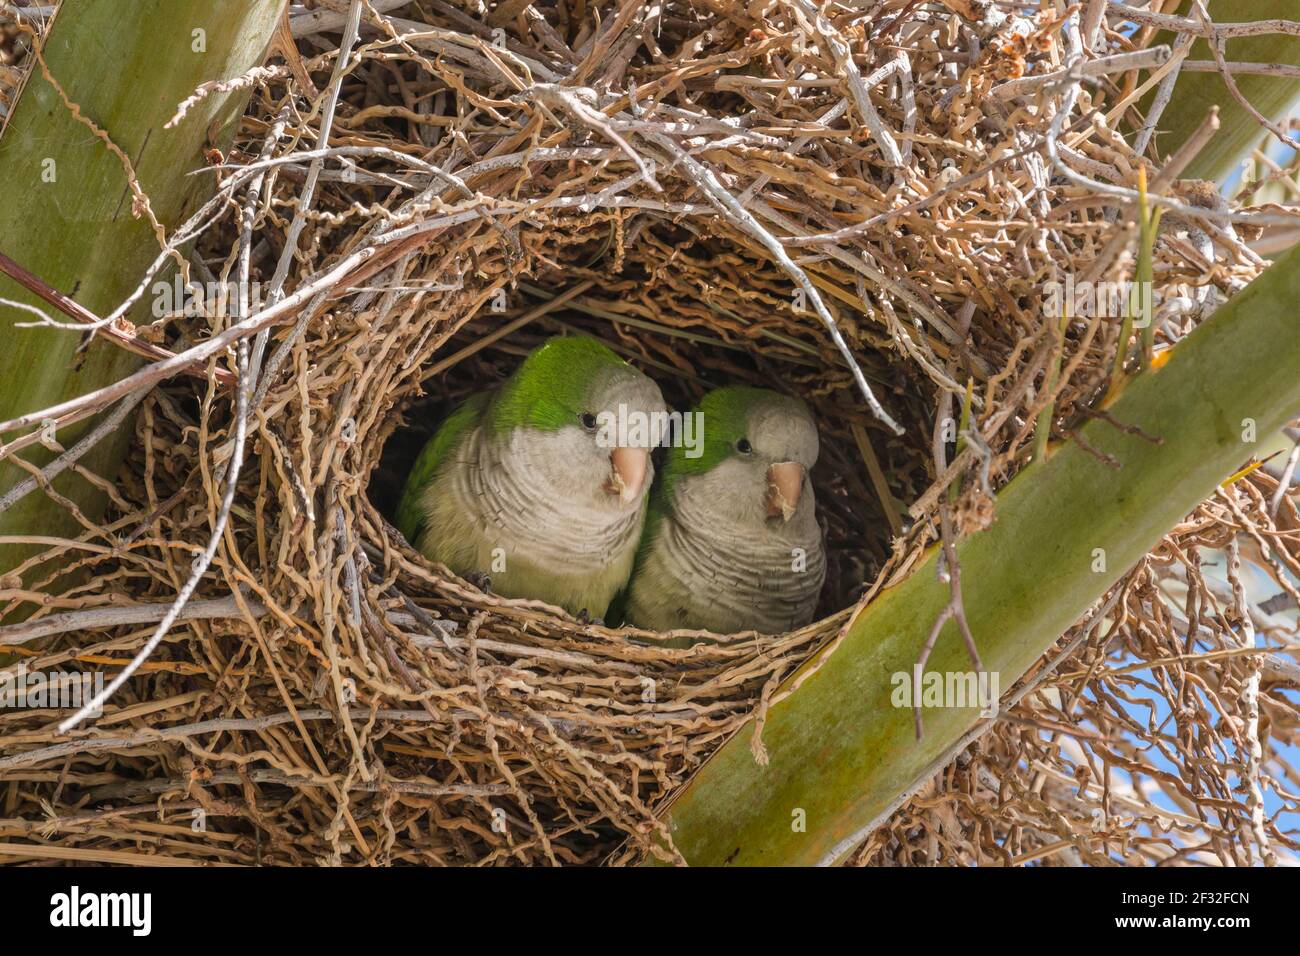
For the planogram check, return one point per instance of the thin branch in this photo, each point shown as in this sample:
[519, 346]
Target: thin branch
[87, 320]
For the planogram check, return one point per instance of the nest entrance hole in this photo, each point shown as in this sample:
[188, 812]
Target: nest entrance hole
[695, 312]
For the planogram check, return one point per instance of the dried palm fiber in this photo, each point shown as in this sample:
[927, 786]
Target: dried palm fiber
[626, 170]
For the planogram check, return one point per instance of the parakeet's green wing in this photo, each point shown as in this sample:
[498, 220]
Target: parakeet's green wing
[410, 516]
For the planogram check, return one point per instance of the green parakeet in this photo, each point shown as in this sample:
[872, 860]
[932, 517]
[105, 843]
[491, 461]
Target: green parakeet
[528, 484]
[732, 542]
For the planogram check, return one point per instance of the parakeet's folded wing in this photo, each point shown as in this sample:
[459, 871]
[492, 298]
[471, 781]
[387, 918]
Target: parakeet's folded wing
[410, 513]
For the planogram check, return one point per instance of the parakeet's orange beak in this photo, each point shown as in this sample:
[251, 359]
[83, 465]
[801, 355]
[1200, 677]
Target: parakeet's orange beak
[628, 471]
[784, 484]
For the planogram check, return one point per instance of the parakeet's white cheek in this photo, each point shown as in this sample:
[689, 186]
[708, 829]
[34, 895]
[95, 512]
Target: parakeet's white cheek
[570, 465]
[742, 493]
[735, 491]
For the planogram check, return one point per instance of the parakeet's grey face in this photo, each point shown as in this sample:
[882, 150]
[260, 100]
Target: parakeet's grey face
[766, 475]
[589, 462]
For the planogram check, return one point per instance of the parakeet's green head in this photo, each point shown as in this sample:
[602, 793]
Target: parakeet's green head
[562, 407]
[757, 449]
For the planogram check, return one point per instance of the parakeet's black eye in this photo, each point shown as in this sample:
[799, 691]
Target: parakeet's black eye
[588, 421]
[744, 447]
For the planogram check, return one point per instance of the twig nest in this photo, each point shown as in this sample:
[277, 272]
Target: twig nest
[712, 195]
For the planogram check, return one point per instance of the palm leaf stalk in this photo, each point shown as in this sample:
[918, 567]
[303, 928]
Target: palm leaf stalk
[68, 215]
